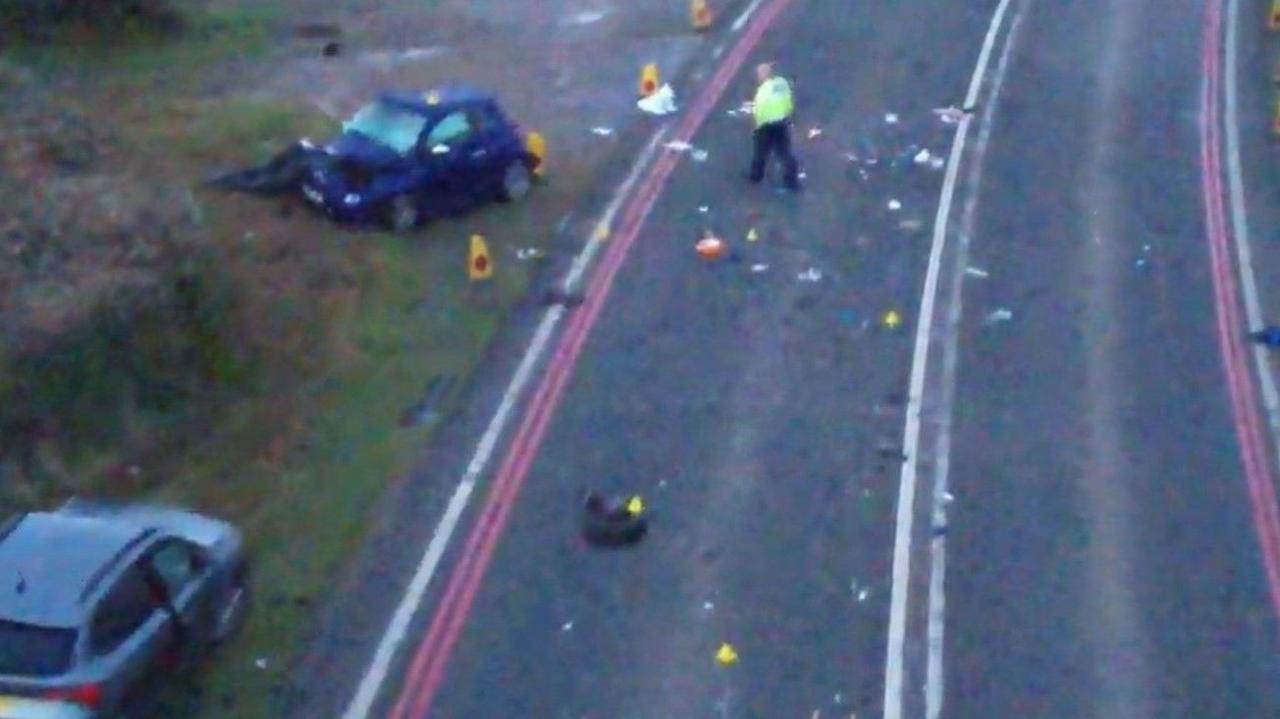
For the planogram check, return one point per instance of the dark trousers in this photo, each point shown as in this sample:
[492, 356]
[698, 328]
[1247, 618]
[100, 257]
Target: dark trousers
[771, 138]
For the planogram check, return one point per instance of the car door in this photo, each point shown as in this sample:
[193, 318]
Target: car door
[446, 148]
[129, 632]
[185, 573]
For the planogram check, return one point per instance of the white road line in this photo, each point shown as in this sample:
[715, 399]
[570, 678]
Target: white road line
[392, 638]
[1240, 223]
[741, 22]
[895, 651]
[934, 683]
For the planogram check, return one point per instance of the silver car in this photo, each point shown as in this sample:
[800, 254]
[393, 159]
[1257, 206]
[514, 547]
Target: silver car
[96, 600]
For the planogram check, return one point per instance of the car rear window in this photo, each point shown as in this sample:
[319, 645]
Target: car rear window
[27, 650]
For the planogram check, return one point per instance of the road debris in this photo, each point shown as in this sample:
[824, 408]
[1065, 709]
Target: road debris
[757, 268]
[1001, 315]
[704, 209]
[894, 205]
[662, 102]
[950, 115]
[862, 595]
[710, 248]
[602, 131]
[530, 253]
[891, 319]
[699, 155]
[613, 521]
[911, 223]
[566, 626]
[937, 163]
[810, 275]
[923, 157]
[752, 235]
[891, 118]
[1268, 336]
[260, 662]
[708, 606]
[976, 272]
[726, 655]
[814, 132]
[678, 146]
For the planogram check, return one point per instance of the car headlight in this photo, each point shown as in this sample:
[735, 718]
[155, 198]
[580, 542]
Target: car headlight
[351, 199]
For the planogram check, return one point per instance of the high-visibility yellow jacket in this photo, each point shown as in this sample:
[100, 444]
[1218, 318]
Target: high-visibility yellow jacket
[773, 101]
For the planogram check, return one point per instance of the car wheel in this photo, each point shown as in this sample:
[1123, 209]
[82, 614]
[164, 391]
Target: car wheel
[233, 610]
[516, 182]
[402, 214]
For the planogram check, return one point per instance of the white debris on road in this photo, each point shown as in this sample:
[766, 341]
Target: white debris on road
[976, 272]
[895, 205]
[662, 102]
[602, 131]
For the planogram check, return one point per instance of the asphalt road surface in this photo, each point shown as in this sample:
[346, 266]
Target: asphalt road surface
[1101, 555]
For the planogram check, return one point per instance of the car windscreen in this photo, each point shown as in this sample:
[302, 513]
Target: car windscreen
[389, 125]
[32, 651]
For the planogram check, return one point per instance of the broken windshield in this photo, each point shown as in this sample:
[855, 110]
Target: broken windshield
[388, 125]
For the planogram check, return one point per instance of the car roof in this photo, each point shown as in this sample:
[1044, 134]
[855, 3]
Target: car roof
[441, 98]
[49, 562]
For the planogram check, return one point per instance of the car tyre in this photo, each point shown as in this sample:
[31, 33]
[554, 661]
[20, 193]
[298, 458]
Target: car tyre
[516, 182]
[233, 610]
[402, 213]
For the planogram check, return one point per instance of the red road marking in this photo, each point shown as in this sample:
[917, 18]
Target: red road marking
[426, 672]
[1244, 409]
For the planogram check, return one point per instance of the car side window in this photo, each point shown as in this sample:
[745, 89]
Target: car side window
[177, 563]
[449, 129]
[121, 612]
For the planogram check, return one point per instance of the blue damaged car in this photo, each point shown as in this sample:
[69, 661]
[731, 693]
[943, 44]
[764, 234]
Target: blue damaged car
[407, 158]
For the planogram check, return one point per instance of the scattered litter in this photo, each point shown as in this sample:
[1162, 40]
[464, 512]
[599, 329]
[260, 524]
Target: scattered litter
[891, 319]
[863, 594]
[752, 235]
[566, 626]
[710, 248]
[726, 655]
[708, 606]
[602, 232]
[911, 223]
[1140, 263]
[948, 497]
[814, 132]
[678, 146]
[810, 275]
[699, 155]
[838, 698]
[1000, 315]
[802, 175]
[662, 102]
[613, 522]
[1268, 336]
[950, 115]
[662, 484]
[976, 272]
[602, 131]
[704, 209]
[923, 157]
[895, 205]
[937, 162]
[530, 253]
[891, 118]
[586, 17]
[759, 268]
[745, 108]
[260, 662]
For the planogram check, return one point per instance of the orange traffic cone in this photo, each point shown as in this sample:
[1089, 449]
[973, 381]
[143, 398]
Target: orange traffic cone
[700, 11]
[649, 80]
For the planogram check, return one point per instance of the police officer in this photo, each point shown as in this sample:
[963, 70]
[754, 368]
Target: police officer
[772, 109]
